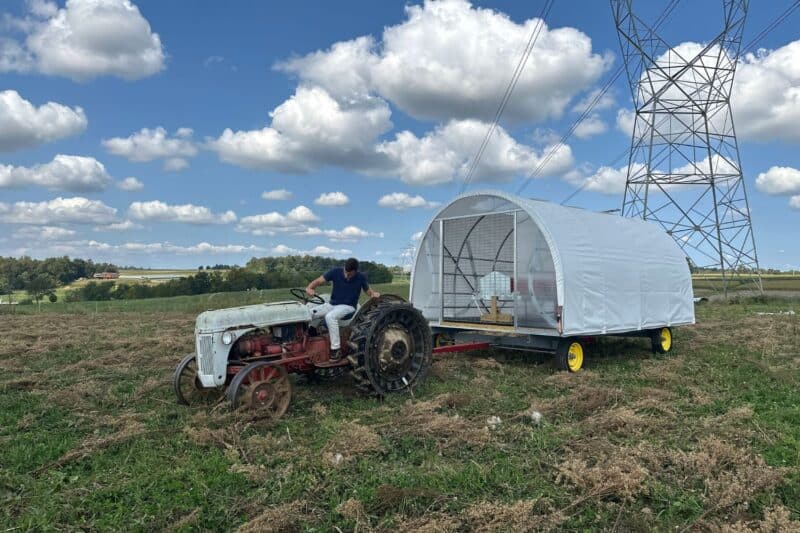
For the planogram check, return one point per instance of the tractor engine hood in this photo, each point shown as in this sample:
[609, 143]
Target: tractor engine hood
[258, 315]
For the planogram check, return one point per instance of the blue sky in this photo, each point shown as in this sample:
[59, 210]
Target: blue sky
[208, 105]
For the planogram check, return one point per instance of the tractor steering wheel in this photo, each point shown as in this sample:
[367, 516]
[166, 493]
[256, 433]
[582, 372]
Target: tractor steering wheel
[301, 295]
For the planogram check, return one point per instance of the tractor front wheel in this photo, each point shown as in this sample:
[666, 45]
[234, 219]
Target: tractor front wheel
[188, 389]
[264, 386]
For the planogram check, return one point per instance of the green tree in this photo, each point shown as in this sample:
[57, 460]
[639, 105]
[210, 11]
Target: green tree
[40, 285]
[5, 288]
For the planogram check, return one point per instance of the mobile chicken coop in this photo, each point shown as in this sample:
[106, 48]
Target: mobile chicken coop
[498, 269]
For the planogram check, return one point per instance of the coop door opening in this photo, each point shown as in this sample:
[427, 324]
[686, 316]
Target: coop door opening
[478, 255]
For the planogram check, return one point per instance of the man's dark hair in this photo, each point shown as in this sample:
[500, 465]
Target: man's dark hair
[351, 265]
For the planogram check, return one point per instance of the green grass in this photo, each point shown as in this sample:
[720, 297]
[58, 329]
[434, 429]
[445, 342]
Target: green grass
[706, 436]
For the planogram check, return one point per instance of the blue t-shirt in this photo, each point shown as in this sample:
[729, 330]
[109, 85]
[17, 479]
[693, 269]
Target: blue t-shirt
[346, 291]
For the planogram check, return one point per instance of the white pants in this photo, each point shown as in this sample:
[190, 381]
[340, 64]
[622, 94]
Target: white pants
[332, 314]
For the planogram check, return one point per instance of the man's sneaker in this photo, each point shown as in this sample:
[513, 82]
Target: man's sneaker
[336, 354]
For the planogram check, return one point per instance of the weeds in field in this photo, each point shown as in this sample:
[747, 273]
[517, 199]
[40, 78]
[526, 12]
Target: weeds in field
[703, 439]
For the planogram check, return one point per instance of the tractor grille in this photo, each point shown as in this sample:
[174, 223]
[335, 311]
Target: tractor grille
[205, 355]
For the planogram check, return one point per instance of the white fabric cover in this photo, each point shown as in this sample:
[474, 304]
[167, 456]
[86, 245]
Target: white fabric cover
[613, 274]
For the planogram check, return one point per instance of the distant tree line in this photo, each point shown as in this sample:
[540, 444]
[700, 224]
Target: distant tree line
[40, 277]
[258, 273]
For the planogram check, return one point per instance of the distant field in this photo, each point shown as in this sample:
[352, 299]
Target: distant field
[144, 271]
[704, 285]
[185, 304]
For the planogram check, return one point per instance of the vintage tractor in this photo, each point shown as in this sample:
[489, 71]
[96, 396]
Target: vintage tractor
[248, 352]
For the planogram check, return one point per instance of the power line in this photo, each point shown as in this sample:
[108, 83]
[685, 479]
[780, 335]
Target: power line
[534, 36]
[769, 28]
[670, 7]
[772, 25]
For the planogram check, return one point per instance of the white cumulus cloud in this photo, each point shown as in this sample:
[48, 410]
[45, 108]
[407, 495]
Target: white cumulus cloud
[779, 180]
[187, 213]
[766, 95]
[277, 194]
[346, 234]
[43, 233]
[130, 184]
[401, 201]
[590, 126]
[125, 225]
[332, 199]
[83, 40]
[794, 202]
[150, 144]
[23, 125]
[282, 249]
[309, 130]
[64, 173]
[76, 210]
[448, 61]
[451, 59]
[295, 221]
[445, 154]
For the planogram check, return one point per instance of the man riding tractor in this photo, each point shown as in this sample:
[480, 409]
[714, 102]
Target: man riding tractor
[347, 285]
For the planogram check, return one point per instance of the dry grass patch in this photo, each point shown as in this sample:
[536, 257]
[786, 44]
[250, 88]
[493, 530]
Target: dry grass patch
[353, 510]
[351, 440]
[281, 518]
[429, 523]
[619, 420]
[423, 419]
[518, 516]
[619, 476]
[390, 498]
[777, 519]
[581, 401]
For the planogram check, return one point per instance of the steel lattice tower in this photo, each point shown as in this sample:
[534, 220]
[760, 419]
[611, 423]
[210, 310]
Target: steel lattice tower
[684, 170]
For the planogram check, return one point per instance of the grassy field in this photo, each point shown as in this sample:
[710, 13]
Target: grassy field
[705, 437]
[185, 304]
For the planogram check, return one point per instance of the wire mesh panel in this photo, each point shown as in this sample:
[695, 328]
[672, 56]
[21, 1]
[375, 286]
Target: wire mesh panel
[478, 269]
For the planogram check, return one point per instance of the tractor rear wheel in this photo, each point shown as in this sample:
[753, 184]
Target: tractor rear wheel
[392, 347]
[187, 386]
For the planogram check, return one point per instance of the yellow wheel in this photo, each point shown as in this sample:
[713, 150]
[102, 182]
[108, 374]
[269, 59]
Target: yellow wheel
[569, 355]
[662, 340]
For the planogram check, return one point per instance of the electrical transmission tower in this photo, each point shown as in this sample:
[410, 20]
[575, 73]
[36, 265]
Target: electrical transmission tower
[684, 170]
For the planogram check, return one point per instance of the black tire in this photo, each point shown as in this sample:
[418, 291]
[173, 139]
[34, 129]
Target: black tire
[187, 387]
[392, 347]
[570, 355]
[661, 340]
